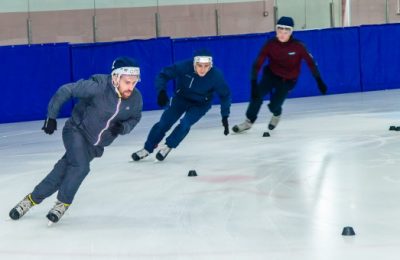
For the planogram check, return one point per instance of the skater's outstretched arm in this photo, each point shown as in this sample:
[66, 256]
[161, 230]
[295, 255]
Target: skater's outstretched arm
[314, 69]
[311, 63]
[166, 74]
[224, 93]
[79, 89]
[262, 56]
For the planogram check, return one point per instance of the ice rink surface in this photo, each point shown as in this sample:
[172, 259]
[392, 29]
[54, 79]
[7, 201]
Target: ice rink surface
[330, 163]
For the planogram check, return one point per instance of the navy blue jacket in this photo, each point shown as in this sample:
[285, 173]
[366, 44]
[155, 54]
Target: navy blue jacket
[194, 88]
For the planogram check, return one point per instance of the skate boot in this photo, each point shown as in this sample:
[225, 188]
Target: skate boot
[57, 211]
[139, 155]
[274, 122]
[246, 125]
[162, 154]
[21, 208]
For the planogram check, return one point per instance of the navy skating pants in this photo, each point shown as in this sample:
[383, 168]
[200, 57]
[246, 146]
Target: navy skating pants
[179, 106]
[277, 87]
[69, 172]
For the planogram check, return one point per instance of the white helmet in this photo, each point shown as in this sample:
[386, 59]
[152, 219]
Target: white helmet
[125, 66]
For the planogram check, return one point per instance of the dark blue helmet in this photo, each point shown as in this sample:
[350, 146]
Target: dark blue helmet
[286, 21]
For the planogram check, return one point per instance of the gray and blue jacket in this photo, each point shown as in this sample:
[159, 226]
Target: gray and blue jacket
[194, 88]
[99, 107]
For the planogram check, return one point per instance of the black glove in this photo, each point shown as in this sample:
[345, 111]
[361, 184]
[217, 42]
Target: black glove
[162, 99]
[116, 129]
[254, 89]
[321, 86]
[225, 124]
[50, 125]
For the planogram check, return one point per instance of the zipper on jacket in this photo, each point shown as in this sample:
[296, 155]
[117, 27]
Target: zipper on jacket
[191, 82]
[109, 121]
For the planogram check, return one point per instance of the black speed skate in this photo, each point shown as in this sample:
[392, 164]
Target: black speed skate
[162, 154]
[139, 155]
[22, 207]
[57, 212]
[246, 125]
[274, 122]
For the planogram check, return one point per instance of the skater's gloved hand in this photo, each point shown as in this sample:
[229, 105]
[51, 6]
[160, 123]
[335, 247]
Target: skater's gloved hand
[321, 86]
[254, 89]
[162, 99]
[50, 125]
[117, 128]
[225, 124]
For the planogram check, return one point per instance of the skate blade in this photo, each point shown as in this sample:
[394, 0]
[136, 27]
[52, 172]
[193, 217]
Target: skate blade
[50, 223]
[158, 160]
[240, 131]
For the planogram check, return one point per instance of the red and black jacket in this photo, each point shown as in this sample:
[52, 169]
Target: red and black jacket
[285, 59]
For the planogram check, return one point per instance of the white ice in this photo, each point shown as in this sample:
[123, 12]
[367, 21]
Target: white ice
[330, 163]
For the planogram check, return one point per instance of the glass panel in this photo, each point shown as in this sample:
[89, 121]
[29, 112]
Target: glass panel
[295, 9]
[318, 14]
[310, 14]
